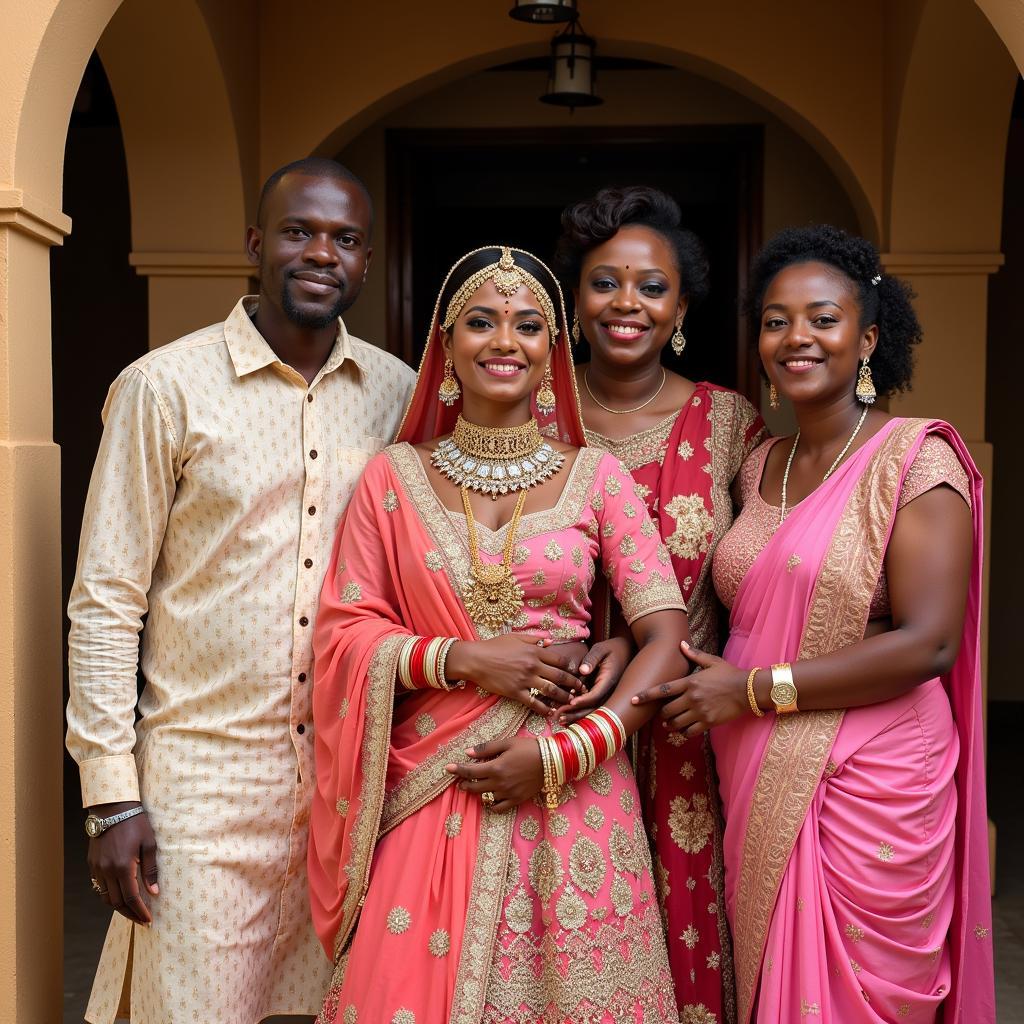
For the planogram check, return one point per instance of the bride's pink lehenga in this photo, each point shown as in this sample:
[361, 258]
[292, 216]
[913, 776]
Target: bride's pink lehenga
[856, 852]
[434, 909]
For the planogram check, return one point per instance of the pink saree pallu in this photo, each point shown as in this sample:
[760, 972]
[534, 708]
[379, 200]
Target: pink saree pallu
[856, 853]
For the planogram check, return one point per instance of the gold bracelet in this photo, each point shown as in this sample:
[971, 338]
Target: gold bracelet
[750, 692]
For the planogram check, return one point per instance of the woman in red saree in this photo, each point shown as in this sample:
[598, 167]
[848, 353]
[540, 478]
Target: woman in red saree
[635, 272]
[845, 712]
[478, 901]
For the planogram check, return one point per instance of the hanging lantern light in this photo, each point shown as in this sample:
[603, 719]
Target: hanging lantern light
[571, 77]
[544, 12]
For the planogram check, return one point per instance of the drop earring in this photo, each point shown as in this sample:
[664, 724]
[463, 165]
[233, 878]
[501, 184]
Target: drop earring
[449, 391]
[773, 396]
[545, 393]
[679, 339]
[865, 390]
[575, 332]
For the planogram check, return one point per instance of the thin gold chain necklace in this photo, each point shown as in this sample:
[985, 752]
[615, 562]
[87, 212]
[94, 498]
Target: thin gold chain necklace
[829, 471]
[623, 412]
[493, 598]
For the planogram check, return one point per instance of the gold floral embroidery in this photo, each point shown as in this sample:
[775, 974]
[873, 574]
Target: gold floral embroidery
[608, 530]
[519, 912]
[343, 707]
[697, 1013]
[546, 871]
[638, 449]
[425, 725]
[808, 1009]
[686, 769]
[521, 554]
[980, 931]
[571, 910]
[903, 1010]
[657, 594]
[577, 556]
[691, 826]
[552, 551]
[926, 921]
[390, 500]
[622, 896]
[685, 450]
[399, 920]
[856, 967]
[600, 780]
[623, 851]
[626, 801]
[539, 578]
[543, 601]
[691, 883]
[571, 583]
[342, 807]
[637, 566]
[433, 561]
[792, 562]
[558, 824]
[587, 865]
[403, 1016]
[886, 852]
[693, 524]
[593, 817]
[536, 725]
[647, 528]
[453, 825]
[853, 933]
[676, 739]
[547, 621]
[627, 546]
[439, 943]
[612, 484]
[800, 904]
[597, 501]
[690, 936]
[529, 828]
[714, 961]
[351, 593]
[629, 510]
[350, 1015]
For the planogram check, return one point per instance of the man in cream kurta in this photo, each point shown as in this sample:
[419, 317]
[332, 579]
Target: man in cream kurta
[218, 487]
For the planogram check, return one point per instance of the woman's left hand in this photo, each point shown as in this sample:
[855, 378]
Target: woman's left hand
[509, 769]
[714, 695]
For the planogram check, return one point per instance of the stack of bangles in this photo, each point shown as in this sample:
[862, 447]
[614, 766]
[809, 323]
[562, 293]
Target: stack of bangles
[421, 663]
[574, 752]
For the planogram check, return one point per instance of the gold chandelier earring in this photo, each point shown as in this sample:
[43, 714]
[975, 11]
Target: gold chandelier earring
[449, 391]
[575, 332]
[546, 393]
[773, 396]
[865, 391]
[679, 339]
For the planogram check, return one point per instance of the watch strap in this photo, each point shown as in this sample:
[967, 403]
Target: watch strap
[116, 819]
[784, 693]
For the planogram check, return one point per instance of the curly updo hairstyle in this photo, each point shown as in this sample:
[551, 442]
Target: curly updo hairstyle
[888, 304]
[485, 257]
[591, 222]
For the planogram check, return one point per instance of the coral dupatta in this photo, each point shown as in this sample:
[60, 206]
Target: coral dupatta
[772, 768]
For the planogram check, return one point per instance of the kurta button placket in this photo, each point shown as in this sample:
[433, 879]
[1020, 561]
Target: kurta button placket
[303, 621]
[308, 563]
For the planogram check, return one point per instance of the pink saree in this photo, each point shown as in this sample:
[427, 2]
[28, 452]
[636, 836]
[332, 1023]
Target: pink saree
[856, 842]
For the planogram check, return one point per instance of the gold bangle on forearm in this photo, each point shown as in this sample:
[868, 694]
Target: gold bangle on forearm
[750, 692]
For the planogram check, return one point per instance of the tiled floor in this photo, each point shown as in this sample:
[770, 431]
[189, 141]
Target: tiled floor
[85, 920]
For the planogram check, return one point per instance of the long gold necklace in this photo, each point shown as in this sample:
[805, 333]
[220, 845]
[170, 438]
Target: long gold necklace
[828, 472]
[623, 412]
[493, 598]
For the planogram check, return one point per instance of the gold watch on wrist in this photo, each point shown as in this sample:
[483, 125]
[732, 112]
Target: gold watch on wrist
[783, 692]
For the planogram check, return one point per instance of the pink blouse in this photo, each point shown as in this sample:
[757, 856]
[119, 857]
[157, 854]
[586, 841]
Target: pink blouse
[936, 464]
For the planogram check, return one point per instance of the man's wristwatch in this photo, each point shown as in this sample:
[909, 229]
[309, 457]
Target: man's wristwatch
[783, 691]
[96, 826]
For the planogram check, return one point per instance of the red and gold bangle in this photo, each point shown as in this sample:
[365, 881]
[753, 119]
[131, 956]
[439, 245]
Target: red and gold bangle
[586, 742]
[608, 734]
[619, 730]
[569, 757]
[442, 661]
[421, 663]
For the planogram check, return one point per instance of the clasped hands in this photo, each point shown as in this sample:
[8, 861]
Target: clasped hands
[509, 770]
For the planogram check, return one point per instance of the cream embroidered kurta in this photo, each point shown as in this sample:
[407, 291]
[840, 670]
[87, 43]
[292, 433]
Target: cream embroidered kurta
[215, 498]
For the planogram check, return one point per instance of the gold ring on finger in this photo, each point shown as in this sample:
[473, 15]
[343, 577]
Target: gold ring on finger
[487, 798]
[96, 887]
[534, 692]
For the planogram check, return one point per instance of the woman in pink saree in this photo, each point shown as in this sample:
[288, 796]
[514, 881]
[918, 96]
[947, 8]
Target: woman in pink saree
[447, 889]
[845, 711]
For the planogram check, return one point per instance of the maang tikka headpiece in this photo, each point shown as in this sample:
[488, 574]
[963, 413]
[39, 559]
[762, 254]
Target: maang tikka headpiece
[508, 278]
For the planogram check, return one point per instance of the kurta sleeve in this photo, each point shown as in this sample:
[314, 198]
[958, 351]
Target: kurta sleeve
[130, 496]
[635, 561]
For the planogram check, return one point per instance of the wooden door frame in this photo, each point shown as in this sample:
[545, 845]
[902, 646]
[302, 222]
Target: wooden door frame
[404, 146]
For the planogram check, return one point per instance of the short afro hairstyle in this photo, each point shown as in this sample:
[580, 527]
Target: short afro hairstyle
[887, 303]
[313, 167]
[591, 222]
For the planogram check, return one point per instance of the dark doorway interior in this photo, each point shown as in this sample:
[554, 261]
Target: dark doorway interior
[452, 191]
[99, 315]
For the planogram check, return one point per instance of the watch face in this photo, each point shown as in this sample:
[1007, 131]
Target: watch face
[93, 827]
[783, 694]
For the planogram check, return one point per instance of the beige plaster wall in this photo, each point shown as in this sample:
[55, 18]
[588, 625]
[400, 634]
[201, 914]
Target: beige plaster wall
[799, 187]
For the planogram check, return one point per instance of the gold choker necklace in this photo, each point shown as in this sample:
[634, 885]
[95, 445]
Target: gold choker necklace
[496, 460]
